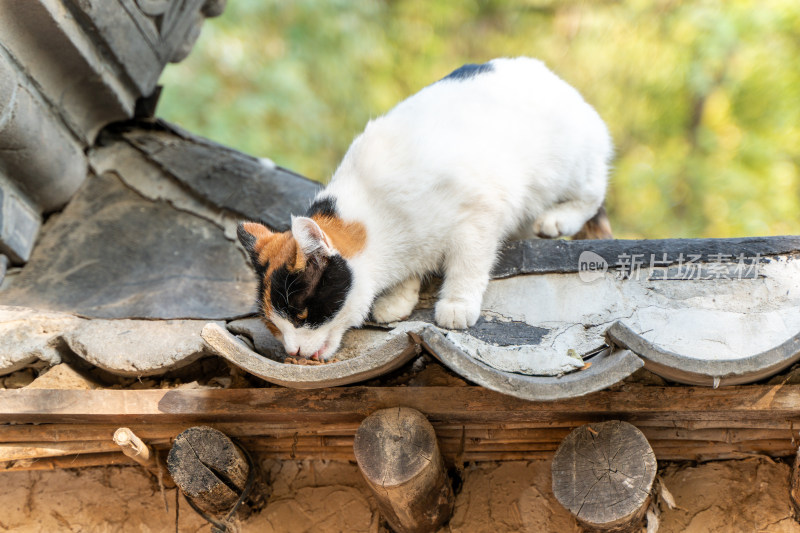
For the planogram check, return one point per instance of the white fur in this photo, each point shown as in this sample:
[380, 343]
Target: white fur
[448, 174]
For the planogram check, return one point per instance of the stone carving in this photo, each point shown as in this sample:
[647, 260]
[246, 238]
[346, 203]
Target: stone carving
[176, 24]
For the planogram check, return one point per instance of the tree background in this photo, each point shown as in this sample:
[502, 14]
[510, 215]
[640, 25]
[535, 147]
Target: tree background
[702, 98]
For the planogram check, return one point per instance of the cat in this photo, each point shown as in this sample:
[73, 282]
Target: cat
[504, 149]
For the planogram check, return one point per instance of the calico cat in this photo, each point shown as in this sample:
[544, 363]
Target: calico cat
[501, 150]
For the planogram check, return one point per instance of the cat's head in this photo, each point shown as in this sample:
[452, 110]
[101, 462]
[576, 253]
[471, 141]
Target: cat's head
[305, 280]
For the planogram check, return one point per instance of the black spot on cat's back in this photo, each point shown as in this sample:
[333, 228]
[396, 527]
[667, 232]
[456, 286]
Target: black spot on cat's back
[325, 206]
[292, 293]
[468, 71]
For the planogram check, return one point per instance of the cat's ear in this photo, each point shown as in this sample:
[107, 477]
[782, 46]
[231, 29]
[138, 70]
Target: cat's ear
[310, 237]
[254, 237]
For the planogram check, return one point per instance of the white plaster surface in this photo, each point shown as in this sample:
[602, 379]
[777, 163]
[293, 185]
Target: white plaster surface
[720, 319]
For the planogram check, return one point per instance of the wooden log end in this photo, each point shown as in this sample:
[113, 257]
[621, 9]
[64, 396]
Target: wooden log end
[209, 468]
[603, 474]
[399, 457]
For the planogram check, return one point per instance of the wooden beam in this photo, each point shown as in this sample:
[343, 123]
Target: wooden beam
[310, 447]
[453, 405]
[724, 430]
[680, 422]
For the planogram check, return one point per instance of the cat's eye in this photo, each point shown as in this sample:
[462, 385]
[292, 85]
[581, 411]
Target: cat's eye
[302, 315]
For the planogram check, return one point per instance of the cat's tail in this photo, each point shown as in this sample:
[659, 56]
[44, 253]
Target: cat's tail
[597, 227]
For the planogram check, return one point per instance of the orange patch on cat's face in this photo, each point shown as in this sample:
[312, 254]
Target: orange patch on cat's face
[274, 251]
[281, 249]
[348, 238]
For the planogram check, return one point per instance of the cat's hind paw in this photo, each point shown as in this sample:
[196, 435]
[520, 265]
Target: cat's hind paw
[561, 221]
[398, 303]
[547, 227]
[456, 314]
[392, 308]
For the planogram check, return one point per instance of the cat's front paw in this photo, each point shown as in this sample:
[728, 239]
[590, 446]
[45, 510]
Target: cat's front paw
[456, 314]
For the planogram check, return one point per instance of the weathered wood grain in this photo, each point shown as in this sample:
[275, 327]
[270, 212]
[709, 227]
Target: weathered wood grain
[709, 430]
[36, 450]
[694, 423]
[399, 457]
[452, 405]
[603, 474]
[208, 468]
[69, 461]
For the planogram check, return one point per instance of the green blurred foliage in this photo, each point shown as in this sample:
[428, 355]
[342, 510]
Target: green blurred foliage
[702, 98]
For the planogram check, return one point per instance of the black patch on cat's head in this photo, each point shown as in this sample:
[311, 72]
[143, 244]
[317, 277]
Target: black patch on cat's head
[320, 289]
[324, 207]
[470, 70]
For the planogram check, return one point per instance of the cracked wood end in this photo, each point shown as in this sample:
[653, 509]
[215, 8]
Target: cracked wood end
[399, 457]
[603, 474]
[209, 468]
